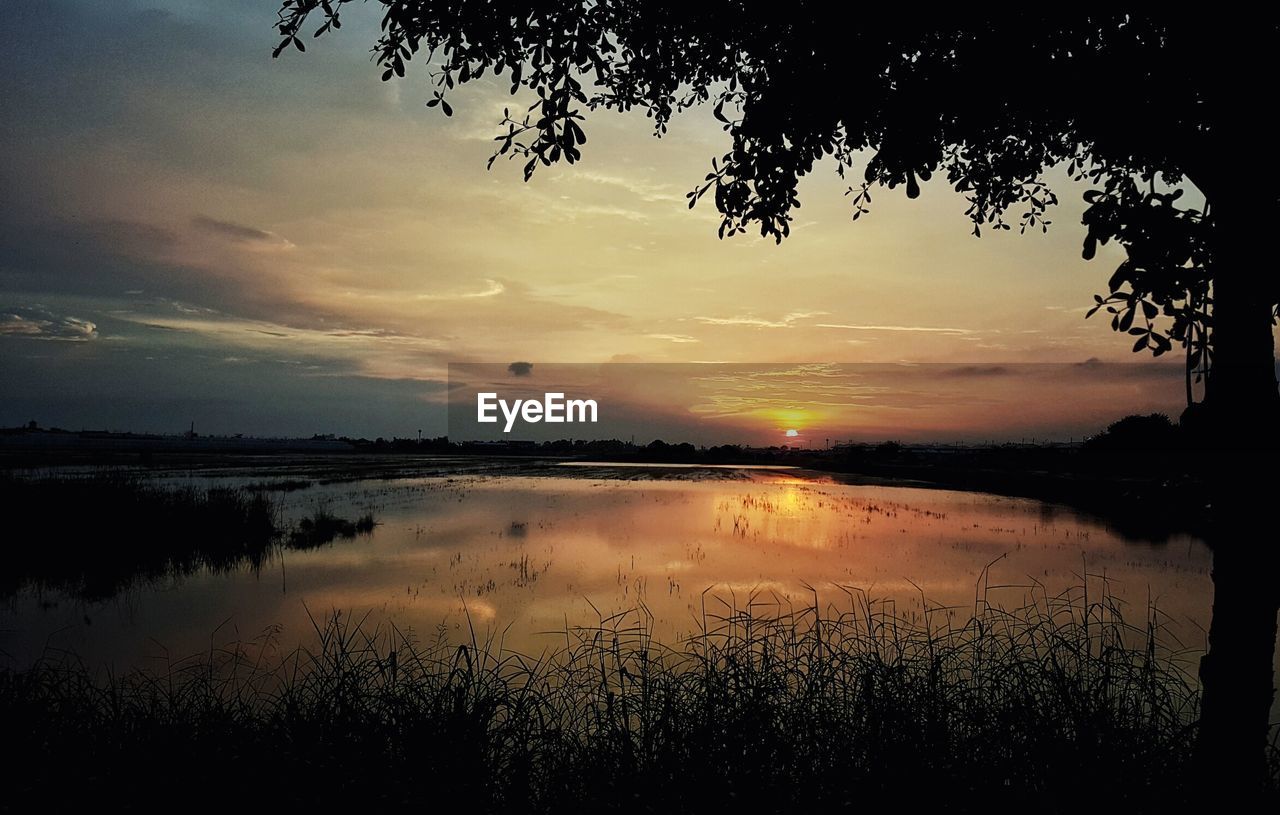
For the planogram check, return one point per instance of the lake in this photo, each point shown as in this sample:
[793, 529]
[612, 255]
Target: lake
[520, 558]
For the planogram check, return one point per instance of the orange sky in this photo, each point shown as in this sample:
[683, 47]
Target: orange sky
[295, 241]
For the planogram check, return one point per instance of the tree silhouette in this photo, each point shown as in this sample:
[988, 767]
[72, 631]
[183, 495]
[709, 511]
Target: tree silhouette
[1135, 105]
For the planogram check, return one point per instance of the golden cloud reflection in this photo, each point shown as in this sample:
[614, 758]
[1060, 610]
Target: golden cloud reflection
[523, 558]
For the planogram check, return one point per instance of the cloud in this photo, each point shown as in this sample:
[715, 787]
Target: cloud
[373, 351]
[238, 232]
[644, 190]
[40, 324]
[51, 255]
[977, 371]
[1142, 366]
[787, 320]
[678, 338]
[231, 229]
[520, 368]
[920, 328]
[492, 288]
[1070, 309]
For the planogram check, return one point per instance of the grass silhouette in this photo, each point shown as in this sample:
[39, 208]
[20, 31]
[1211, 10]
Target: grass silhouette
[770, 707]
[93, 536]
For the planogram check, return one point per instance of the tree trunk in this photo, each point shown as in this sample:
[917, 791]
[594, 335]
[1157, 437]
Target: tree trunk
[1242, 423]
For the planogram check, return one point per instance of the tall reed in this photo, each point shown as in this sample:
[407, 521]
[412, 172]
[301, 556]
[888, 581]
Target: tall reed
[1056, 702]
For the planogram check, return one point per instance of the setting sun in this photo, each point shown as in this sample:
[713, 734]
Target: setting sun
[791, 434]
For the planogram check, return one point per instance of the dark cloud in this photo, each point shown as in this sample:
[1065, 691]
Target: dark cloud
[235, 231]
[382, 333]
[106, 257]
[520, 368]
[171, 385]
[977, 371]
[1143, 366]
[54, 256]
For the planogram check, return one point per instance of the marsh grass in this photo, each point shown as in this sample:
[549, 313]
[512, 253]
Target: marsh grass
[94, 536]
[1056, 703]
[280, 485]
[323, 527]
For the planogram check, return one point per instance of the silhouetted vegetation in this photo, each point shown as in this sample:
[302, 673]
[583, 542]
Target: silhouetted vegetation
[283, 485]
[1154, 433]
[94, 536]
[324, 527]
[772, 707]
[1144, 474]
[1151, 444]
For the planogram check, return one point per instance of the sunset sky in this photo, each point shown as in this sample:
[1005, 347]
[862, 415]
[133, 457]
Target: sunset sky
[195, 232]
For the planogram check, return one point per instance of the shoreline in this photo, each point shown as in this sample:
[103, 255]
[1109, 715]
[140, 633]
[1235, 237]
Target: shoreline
[1140, 505]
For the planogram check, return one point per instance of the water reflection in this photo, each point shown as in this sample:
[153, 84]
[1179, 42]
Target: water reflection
[526, 556]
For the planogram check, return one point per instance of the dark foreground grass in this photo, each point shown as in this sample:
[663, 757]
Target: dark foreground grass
[94, 536]
[1057, 705]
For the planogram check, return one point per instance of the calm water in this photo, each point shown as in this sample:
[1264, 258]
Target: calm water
[526, 556]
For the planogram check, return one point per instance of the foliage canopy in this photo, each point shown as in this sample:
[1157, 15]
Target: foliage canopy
[988, 103]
